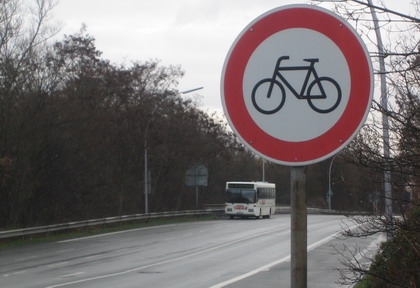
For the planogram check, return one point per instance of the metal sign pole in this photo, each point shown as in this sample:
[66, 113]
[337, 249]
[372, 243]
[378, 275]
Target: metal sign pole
[298, 261]
[196, 185]
[146, 201]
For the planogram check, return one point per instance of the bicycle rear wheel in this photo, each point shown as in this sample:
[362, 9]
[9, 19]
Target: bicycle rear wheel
[324, 95]
[266, 101]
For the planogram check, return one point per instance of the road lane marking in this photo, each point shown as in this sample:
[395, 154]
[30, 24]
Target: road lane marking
[272, 264]
[92, 256]
[64, 251]
[58, 264]
[362, 258]
[118, 232]
[14, 273]
[165, 261]
[72, 274]
[114, 233]
[253, 272]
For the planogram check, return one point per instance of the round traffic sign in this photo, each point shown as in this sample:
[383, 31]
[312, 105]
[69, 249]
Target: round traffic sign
[297, 84]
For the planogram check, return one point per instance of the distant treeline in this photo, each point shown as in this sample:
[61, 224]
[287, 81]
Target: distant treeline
[74, 128]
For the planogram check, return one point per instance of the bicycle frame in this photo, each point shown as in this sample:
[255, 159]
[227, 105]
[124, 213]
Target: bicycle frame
[310, 69]
[306, 92]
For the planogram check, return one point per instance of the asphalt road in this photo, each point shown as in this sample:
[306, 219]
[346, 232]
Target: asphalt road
[220, 253]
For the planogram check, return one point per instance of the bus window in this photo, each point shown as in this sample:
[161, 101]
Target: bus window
[249, 195]
[240, 196]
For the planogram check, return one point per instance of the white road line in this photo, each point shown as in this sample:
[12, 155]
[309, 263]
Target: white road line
[362, 257]
[253, 272]
[58, 264]
[72, 275]
[114, 233]
[92, 257]
[272, 264]
[162, 262]
[64, 251]
[371, 249]
[14, 273]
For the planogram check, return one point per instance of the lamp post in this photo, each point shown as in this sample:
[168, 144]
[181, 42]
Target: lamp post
[330, 193]
[263, 170]
[146, 176]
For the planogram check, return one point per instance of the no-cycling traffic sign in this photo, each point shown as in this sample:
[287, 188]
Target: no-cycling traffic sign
[297, 84]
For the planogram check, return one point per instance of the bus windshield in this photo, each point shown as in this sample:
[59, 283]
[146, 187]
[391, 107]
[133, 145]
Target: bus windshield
[241, 196]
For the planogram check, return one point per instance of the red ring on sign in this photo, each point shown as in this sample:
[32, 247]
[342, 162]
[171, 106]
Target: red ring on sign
[343, 131]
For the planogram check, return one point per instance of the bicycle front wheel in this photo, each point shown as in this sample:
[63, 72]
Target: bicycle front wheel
[324, 95]
[268, 96]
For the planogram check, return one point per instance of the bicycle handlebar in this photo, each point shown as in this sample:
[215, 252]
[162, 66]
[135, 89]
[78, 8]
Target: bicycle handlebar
[281, 59]
[310, 60]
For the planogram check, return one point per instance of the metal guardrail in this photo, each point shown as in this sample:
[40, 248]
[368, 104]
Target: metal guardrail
[103, 221]
[310, 210]
[209, 210]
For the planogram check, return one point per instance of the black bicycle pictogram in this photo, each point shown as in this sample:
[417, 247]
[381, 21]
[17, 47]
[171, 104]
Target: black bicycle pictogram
[314, 97]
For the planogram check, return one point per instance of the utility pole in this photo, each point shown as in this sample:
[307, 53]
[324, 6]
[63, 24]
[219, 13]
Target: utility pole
[385, 122]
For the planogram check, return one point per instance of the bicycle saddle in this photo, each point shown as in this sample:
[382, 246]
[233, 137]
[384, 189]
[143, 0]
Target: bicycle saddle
[311, 60]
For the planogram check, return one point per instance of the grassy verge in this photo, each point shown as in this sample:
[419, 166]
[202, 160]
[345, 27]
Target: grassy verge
[95, 230]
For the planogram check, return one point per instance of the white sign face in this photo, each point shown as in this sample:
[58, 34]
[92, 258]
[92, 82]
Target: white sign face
[297, 85]
[296, 121]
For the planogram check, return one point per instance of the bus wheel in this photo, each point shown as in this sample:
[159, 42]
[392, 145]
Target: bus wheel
[231, 216]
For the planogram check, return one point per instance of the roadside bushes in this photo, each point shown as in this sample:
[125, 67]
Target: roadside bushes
[398, 262]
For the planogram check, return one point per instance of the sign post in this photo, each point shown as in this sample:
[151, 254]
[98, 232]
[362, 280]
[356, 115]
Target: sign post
[296, 87]
[298, 259]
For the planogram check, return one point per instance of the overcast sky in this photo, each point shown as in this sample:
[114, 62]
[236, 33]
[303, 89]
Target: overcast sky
[195, 34]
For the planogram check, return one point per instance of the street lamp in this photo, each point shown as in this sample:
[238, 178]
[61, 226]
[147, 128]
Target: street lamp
[191, 90]
[146, 176]
[330, 193]
[263, 170]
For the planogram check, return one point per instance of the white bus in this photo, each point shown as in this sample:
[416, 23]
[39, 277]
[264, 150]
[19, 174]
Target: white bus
[250, 199]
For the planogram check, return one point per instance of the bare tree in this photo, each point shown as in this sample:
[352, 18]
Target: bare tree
[396, 264]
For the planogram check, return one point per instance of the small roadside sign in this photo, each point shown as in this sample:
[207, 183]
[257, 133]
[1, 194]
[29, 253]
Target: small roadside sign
[196, 175]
